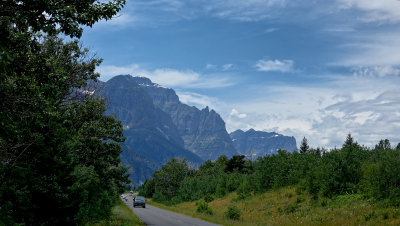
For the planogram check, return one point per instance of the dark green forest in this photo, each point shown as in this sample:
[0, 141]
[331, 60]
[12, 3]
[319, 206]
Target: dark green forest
[59, 154]
[351, 169]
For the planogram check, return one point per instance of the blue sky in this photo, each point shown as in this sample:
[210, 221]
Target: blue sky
[314, 68]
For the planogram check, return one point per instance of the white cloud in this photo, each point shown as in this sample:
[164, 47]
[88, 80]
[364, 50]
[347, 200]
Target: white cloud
[211, 66]
[119, 21]
[341, 28]
[172, 77]
[167, 76]
[378, 48]
[250, 10]
[373, 71]
[270, 30]
[366, 107]
[236, 114]
[227, 67]
[198, 100]
[275, 65]
[164, 5]
[150, 12]
[375, 10]
[109, 71]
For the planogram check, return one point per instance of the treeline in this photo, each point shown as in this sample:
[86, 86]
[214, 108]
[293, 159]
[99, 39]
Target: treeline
[59, 154]
[374, 173]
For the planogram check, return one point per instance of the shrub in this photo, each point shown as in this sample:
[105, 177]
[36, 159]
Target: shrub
[244, 189]
[220, 191]
[202, 207]
[209, 198]
[158, 197]
[290, 208]
[385, 215]
[233, 212]
[369, 216]
[299, 200]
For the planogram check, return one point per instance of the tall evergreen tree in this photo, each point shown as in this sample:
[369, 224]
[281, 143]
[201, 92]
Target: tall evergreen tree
[383, 144]
[304, 148]
[349, 140]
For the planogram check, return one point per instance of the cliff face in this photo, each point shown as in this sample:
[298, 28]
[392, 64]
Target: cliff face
[203, 131]
[151, 137]
[258, 143]
[158, 127]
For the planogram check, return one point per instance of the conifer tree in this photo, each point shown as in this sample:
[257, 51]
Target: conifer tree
[383, 144]
[349, 140]
[304, 148]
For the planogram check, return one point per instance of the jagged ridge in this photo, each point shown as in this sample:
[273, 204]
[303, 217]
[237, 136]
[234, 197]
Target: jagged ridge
[203, 131]
[258, 143]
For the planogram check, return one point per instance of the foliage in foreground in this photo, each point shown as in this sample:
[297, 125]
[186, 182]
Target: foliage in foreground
[352, 169]
[202, 207]
[292, 206]
[59, 154]
[120, 215]
[233, 212]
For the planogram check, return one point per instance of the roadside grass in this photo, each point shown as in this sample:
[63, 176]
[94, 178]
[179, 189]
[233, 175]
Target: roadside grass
[121, 216]
[291, 206]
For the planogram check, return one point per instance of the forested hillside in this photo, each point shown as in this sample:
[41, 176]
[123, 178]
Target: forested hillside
[352, 169]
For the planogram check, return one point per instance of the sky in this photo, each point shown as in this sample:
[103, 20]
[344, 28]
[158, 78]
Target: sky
[318, 69]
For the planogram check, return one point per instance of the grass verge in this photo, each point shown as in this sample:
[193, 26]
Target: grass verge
[289, 206]
[121, 216]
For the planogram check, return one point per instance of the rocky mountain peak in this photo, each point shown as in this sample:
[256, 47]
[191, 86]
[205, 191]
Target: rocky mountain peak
[203, 131]
[152, 137]
[122, 81]
[143, 81]
[261, 143]
[206, 109]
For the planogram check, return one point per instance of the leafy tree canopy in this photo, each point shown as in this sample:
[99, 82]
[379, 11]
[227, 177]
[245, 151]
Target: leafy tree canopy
[52, 16]
[59, 153]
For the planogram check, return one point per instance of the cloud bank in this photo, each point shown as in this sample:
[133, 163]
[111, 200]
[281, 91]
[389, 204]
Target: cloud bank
[366, 107]
[168, 77]
[275, 65]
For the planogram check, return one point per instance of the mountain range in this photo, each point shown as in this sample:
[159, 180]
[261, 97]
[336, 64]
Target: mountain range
[258, 143]
[158, 127]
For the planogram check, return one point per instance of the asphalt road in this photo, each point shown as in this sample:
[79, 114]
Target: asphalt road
[152, 215]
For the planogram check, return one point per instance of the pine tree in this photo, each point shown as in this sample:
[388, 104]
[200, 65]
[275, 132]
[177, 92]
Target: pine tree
[349, 140]
[304, 148]
[383, 144]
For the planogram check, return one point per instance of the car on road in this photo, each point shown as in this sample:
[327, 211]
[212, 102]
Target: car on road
[124, 197]
[139, 201]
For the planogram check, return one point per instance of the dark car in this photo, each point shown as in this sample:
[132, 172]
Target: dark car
[139, 201]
